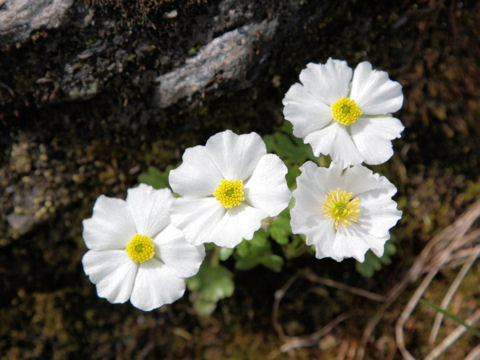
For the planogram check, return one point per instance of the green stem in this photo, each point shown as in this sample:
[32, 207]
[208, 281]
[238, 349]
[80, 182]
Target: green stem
[215, 259]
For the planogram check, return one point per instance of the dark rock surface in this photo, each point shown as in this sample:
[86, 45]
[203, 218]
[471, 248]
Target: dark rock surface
[102, 78]
[92, 96]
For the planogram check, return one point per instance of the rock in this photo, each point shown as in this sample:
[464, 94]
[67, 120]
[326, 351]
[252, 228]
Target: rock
[18, 18]
[225, 58]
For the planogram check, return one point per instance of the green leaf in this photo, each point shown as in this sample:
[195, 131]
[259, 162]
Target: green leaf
[270, 142]
[369, 266]
[257, 251]
[156, 178]
[203, 307]
[373, 263]
[273, 262]
[291, 177]
[242, 249]
[455, 318]
[212, 283]
[225, 253]
[287, 149]
[278, 235]
[259, 240]
[246, 263]
[280, 230]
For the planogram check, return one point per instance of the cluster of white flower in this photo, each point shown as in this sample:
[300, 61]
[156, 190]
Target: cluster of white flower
[345, 210]
[143, 248]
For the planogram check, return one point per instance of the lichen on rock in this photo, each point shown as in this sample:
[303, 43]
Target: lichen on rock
[18, 18]
[225, 58]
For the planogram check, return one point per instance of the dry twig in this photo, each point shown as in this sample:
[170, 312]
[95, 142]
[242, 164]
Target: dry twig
[439, 251]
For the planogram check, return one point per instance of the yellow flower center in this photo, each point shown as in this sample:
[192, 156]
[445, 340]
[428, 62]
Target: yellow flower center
[229, 193]
[140, 248]
[341, 208]
[345, 111]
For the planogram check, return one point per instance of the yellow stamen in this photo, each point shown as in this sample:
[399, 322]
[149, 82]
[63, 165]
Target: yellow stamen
[345, 111]
[229, 193]
[140, 248]
[341, 208]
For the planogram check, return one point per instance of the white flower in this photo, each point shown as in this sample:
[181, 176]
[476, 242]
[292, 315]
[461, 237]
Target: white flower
[344, 117]
[228, 186]
[343, 213]
[134, 251]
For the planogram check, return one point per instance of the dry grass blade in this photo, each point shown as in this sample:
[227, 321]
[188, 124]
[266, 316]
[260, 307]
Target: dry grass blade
[452, 337]
[436, 254]
[462, 225]
[474, 354]
[449, 295]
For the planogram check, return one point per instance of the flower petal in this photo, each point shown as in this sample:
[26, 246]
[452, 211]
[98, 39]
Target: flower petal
[197, 218]
[111, 226]
[312, 189]
[374, 92]
[235, 155]
[156, 285]
[378, 211]
[150, 208]
[112, 271]
[334, 140]
[197, 176]
[327, 82]
[378, 216]
[179, 255]
[349, 242]
[237, 223]
[267, 188]
[373, 135]
[363, 182]
[304, 111]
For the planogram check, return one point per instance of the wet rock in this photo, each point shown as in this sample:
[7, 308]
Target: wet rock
[18, 18]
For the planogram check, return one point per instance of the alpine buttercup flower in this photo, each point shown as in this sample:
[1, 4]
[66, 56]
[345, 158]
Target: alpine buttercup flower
[343, 213]
[134, 251]
[344, 116]
[228, 187]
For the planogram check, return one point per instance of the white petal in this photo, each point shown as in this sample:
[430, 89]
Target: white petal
[156, 285]
[150, 208]
[236, 155]
[304, 111]
[373, 135]
[111, 226]
[112, 271]
[334, 140]
[364, 183]
[378, 216]
[267, 188]
[313, 186]
[197, 176]
[309, 195]
[349, 242]
[197, 218]
[374, 92]
[237, 223]
[179, 255]
[327, 82]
